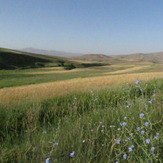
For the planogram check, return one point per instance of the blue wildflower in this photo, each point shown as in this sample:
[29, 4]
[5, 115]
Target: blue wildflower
[72, 154]
[125, 156]
[141, 115]
[157, 134]
[119, 141]
[123, 123]
[138, 128]
[130, 149]
[142, 132]
[55, 144]
[146, 124]
[137, 81]
[148, 141]
[48, 160]
[152, 149]
[150, 101]
[44, 132]
[132, 146]
[128, 138]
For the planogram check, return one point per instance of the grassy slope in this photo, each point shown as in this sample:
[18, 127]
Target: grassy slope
[12, 59]
[11, 78]
[87, 123]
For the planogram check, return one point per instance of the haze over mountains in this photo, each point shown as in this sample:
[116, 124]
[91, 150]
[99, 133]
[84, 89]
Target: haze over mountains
[50, 52]
[150, 57]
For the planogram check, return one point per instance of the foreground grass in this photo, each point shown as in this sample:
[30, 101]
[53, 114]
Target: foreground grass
[98, 126]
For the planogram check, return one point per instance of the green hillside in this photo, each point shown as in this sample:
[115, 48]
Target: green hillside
[12, 59]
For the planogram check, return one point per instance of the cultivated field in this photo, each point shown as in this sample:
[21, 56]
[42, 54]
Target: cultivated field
[100, 114]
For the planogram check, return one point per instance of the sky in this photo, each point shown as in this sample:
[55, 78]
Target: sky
[83, 26]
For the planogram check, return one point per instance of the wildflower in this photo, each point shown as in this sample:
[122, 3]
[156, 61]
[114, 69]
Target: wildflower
[119, 141]
[102, 126]
[123, 123]
[141, 115]
[128, 105]
[141, 89]
[116, 162]
[55, 144]
[152, 149]
[150, 101]
[131, 134]
[112, 126]
[156, 137]
[142, 132]
[83, 141]
[72, 154]
[48, 160]
[44, 132]
[130, 149]
[125, 118]
[148, 141]
[125, 156]
[138, 128]
[128, 138]
[118, 129]
[91, 130]
[157, 134]
[146, 124]
[132, 146]
[137, 82]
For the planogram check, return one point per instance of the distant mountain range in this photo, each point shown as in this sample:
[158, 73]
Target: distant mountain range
[149, 57]
[50, 52]
[146, 57]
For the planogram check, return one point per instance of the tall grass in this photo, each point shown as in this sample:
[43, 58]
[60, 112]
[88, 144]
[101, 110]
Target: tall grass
[95, 126]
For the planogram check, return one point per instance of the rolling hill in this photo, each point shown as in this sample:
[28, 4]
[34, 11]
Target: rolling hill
[12, 59]
[150, 57]
[138, 57]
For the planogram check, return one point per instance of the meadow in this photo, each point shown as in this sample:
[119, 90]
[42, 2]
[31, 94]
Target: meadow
[104, 114]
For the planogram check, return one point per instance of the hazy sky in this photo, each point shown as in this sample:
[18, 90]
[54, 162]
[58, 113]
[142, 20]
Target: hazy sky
[84, 26]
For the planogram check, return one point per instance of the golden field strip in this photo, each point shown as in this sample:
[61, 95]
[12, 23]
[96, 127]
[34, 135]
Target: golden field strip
[129, 69]
[17, 95]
